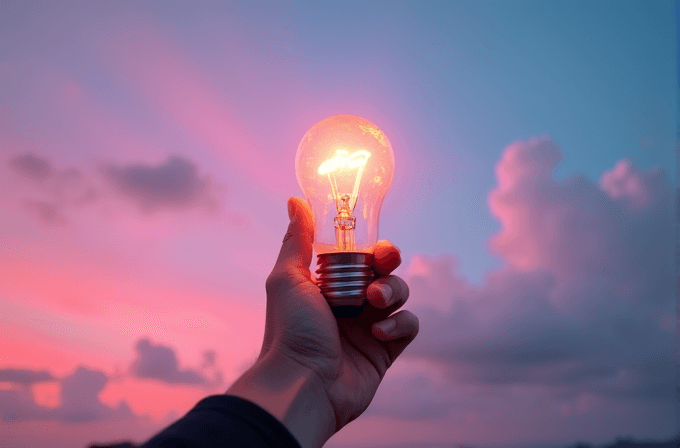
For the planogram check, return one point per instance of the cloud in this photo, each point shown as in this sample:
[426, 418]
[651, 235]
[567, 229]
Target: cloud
[160, 362]
[173, 184]
[24, 376]
[79, 397]
[31, 166]
[585, 303]
[80, 403]
[209, 359]
[51, 194]
[47, 212]
[54, 191]
[413, 391]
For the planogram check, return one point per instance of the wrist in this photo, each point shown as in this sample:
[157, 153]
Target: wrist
[291, 393]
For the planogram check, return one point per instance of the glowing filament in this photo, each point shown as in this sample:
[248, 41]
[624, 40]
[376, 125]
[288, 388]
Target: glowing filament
[342, 159]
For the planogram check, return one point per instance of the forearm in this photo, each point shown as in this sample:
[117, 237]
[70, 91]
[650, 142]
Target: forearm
[292, 394]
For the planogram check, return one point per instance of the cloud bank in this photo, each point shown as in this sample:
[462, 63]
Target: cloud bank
[79, 397]
[79, 392]
[583, 309]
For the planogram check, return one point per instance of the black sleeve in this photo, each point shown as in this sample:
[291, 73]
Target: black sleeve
[224, 421]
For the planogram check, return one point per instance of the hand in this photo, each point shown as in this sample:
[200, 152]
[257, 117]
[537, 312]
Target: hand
[350, 356]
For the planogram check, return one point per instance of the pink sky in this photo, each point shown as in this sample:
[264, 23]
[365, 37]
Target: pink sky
[550, 332]
[143, 180]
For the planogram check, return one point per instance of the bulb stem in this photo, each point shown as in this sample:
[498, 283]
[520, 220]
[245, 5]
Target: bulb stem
[344, 226]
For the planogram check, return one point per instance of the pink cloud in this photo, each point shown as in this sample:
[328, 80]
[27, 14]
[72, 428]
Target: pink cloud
[627, 182]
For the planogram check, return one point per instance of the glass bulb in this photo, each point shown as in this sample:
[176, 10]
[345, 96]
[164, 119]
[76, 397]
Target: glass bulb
[344, 165]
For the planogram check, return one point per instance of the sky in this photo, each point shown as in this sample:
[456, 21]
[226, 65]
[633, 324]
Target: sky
[147, 153]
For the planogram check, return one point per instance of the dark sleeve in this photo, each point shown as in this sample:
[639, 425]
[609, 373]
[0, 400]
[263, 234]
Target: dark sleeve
[224, 421]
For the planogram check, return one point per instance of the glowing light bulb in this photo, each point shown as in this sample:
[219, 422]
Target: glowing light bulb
[344, 165]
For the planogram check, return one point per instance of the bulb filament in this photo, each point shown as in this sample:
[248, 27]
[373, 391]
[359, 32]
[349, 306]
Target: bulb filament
[345, 203]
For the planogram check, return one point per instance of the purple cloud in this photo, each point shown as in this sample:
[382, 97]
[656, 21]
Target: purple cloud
[79, 397]
[25, 377]
[173, 184]
[585, 304]
[31, 166]
[413, 394]
[160, 362]
[80, 401]
[56, 190]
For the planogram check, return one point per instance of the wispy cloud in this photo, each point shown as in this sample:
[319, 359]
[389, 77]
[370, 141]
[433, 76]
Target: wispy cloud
[53, 192]
[31, 166]
[173, 184]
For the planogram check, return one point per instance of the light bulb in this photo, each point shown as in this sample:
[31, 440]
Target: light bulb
[344, 165]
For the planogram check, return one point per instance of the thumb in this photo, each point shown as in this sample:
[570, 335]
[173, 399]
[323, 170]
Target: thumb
[296, 251]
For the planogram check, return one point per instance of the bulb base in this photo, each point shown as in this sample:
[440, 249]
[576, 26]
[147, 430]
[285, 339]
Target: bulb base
[343, 278]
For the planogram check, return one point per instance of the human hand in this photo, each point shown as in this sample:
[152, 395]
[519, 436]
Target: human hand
[349, 356]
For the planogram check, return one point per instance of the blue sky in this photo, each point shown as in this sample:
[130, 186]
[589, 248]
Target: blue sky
[453, 83]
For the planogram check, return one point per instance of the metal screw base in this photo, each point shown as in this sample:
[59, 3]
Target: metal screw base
[343, 278]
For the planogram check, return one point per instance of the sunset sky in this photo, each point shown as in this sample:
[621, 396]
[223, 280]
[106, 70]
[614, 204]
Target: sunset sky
[147, 153]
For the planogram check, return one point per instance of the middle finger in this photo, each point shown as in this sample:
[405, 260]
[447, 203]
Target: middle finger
[386, 295]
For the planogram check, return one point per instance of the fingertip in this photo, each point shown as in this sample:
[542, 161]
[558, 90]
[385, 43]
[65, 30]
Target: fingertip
[387, 257]
[374, 296]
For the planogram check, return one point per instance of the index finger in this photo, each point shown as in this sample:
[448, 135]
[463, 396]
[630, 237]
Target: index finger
[386, 257]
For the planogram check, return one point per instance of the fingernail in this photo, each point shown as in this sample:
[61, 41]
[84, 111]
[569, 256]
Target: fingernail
[387, 326]
[386, 292]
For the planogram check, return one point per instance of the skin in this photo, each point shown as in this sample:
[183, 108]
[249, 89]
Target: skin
[316, 373]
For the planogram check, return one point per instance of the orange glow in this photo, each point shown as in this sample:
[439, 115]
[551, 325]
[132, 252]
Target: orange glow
[344, 164]
[342, 160]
